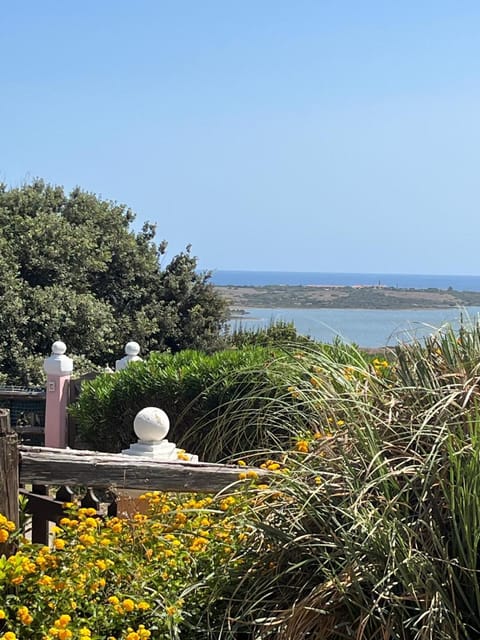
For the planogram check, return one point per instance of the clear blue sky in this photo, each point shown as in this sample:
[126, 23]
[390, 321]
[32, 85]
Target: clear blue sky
[321, 135]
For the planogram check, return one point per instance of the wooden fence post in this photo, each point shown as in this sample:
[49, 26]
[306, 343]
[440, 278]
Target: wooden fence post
[8, 472]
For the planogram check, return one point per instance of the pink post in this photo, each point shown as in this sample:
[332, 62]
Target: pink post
[58, 368]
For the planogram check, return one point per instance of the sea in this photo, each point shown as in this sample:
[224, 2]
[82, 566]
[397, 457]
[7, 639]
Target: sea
[369, 328]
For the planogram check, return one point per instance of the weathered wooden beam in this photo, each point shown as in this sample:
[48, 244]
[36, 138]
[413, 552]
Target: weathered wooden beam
[8, 473]
[90, 468]
[8, 468]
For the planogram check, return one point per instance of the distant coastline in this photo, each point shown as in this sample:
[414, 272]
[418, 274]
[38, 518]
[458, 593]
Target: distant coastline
[330, 279]
[335, 296]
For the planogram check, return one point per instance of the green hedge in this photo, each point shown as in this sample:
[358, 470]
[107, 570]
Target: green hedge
[218, 404]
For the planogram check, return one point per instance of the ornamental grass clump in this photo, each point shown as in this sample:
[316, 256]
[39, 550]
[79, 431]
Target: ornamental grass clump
[373, 531]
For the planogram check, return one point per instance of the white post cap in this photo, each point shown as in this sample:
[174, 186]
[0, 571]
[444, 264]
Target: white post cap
[151, 424]
[58, 364]
[132, 349]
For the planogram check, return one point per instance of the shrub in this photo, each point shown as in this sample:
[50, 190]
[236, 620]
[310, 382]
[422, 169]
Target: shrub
[82, 586]
[217, 404]
[277, 334]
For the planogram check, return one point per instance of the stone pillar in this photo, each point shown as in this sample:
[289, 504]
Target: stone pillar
[58, 368]
[132, 349]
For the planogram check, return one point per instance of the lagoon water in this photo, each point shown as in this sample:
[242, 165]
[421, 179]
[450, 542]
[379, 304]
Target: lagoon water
[365, 327]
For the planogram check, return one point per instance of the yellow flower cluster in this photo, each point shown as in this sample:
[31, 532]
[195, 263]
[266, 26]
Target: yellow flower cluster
[271, 465]
[294, 392]
[6, 528]
[302, 446]
[380, 366]
[251, 474]
[87, 572]
[349, 373]
[140, 634]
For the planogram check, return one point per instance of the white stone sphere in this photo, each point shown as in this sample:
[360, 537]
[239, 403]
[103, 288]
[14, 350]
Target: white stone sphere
[59, 348]
[132, 348]
[151, 424]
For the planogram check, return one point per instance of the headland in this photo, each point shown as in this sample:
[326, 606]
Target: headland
[341, 297]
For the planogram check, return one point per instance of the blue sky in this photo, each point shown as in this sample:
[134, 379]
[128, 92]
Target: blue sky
[281, 135]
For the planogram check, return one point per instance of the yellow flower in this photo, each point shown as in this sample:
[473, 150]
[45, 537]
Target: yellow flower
[8, 636]
[349, 373]
[198, 544]
[228, 502]
[85, 633]
[128, 604]
[302, 446]
[63, 621]
[171, 610]
[7, 524]
[59, 544]
[143, 606]
[3, 535]
[3, 615]
[24, 616]
[273, 466]
[294, 392]
[241, 463]
[91, 522]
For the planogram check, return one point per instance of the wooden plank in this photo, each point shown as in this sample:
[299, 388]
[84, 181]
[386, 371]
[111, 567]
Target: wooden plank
[8, 468]
[117, 471]
[40, 523]
[8, 474]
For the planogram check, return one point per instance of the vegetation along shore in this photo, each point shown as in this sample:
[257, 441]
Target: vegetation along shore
[338, 297]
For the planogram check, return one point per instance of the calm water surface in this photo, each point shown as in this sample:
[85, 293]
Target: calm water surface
[397, 280]
[365, 327]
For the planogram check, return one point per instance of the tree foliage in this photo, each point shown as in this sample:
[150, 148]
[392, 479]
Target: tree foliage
[71, 268]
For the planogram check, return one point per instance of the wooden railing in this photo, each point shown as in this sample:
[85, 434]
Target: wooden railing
[43, 468]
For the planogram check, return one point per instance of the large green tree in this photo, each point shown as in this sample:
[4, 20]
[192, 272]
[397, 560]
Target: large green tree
[72, 268]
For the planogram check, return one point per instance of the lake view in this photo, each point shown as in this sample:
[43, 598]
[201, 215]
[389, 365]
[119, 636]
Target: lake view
[366, 327]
